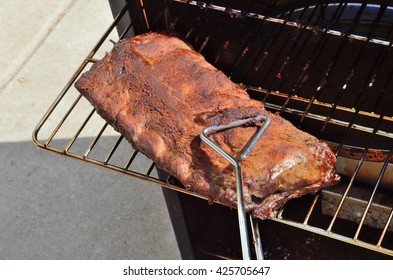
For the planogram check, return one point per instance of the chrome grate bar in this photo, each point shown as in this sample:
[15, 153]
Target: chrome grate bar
[333, 64]
[112, 151]
[385, 165]
[92, 145]
[72, 141]
[389, 220]
[356, 171]
[240, 14]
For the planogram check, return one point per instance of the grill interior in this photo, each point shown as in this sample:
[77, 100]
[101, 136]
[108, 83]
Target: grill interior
[325, 66]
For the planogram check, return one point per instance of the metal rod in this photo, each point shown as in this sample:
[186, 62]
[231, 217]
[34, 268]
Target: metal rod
[151, 168]
[113, 149]
[144, 14]
[249, 37]
[236, 162]
[92, 145]
[335, 236]
[289, 23]
[292, 57]
[72, 140]
[73, 78]
[362, 96]
[194, 25]
[333, 63]
[358, 166]
[385, 229]
[315, 102]
[266, 51]
[316, 53]
[61, 122]
[360, 100]
[372, 75]
[134, 154]
[162, 11]
[256, 237]
[213, 32]
[333, 121]
[307, 218]
[382, 172]
[230, 39]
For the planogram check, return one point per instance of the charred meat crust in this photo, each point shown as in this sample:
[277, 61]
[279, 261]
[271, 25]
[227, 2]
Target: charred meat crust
[159, 94]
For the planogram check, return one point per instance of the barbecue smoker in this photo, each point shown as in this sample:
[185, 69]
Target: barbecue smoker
[326, 66]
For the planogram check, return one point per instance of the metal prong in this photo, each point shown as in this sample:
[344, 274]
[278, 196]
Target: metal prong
[236, 163]
[256, 238]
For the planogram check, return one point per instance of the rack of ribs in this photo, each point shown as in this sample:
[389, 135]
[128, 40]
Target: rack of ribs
[160, 94]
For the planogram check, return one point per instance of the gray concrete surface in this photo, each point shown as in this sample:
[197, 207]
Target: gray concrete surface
[54, 207]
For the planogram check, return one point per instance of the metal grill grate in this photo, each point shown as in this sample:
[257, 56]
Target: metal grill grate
[325, 66]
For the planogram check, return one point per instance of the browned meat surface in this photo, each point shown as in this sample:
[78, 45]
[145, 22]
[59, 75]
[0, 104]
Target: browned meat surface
[160, 94]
